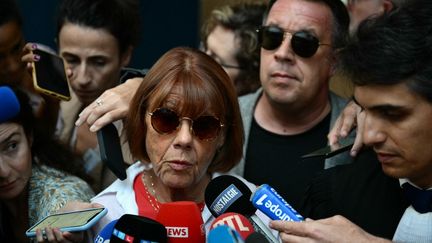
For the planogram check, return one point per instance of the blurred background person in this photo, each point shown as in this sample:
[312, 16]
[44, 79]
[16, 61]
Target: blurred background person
[37, 174]
[360, 10]
[13, 70]
[229, 36]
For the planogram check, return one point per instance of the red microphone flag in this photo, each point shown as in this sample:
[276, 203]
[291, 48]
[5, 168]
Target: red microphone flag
[182, 221]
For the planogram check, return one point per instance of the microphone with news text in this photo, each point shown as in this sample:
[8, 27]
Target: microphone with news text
[225, 234]
[183, 222]
[227, 193]
[268, 201]
[236, 221]
[9, 104]
[132, 229]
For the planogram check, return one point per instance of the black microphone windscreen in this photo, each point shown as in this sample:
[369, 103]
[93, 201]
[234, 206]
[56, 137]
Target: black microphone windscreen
[227, 193]
[256, 237]
[134, 228]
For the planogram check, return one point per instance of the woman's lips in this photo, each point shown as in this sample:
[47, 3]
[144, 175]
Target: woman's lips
[7, 186]
[85, 93]
[180, 165]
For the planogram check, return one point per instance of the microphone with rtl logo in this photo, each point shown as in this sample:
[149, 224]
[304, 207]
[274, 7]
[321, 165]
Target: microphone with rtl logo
[228, 193]
[183, 221]
[224, 234]
[236, 221]
[268, 201]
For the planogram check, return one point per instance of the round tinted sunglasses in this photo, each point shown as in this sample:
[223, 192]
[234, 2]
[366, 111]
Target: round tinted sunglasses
[166, 121]
[303, 43]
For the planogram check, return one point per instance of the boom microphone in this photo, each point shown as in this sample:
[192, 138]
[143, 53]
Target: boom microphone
[268, 201]
[9, 104]
[227, 193]
[236, 221]
[137, 229]
[225, 234]
[183, 221]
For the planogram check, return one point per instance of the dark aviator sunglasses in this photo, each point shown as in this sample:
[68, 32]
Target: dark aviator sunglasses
[303, 43]
[166, 121]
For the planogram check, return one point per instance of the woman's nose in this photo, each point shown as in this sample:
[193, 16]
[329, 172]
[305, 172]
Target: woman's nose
[184, 135]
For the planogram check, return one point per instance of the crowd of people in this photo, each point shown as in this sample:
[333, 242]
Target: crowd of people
[250, 102]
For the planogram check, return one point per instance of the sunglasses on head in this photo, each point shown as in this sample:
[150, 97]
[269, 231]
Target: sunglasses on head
[303, 43]
[166, 121]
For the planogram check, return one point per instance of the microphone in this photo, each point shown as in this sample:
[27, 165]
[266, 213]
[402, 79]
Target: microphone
[225, 234]
[133, 229]
[227, 193]
[183, 221]
[105, 234]
[268, 201]
[9, 104]
[236, 221]
[256, 237]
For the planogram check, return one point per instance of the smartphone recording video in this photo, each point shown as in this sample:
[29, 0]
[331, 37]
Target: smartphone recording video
[69, 221]
[49, 75]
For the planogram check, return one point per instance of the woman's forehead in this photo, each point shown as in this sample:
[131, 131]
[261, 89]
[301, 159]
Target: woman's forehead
[185, 103]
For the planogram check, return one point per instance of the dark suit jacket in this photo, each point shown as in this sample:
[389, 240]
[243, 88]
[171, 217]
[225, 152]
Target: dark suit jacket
[360, 192]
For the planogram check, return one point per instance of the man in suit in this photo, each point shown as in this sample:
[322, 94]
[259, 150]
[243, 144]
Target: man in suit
[390, 63]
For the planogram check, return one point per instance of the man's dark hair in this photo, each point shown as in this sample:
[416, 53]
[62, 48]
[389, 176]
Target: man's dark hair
[121, 18]
[9, 12]
[340, 20]
[393, 48]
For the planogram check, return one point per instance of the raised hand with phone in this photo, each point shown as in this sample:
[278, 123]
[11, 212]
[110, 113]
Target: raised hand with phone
[49, 75]
[94, 51]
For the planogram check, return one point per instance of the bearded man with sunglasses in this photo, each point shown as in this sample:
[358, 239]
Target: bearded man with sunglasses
[293, 112]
